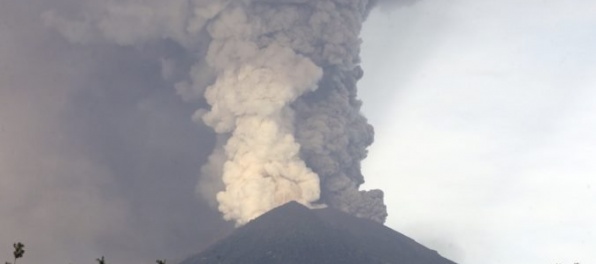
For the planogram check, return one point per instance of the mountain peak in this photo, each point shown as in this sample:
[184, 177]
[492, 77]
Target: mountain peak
[295, 234]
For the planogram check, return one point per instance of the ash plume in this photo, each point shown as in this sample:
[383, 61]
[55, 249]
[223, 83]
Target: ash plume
[279, 80]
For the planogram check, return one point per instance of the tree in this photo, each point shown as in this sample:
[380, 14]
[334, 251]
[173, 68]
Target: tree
[161, 261]
[101, 260]
[19, 251]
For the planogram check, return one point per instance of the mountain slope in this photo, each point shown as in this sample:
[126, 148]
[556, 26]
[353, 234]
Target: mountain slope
[294, 234]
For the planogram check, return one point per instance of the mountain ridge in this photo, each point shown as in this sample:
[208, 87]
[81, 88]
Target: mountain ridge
[295, 234]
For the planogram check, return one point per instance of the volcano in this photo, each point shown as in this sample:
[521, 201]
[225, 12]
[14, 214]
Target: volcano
[295, 234]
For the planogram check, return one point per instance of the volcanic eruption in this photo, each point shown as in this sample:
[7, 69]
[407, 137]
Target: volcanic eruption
[279, 81]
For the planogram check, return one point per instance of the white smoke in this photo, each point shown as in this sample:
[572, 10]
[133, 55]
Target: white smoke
[280, 79]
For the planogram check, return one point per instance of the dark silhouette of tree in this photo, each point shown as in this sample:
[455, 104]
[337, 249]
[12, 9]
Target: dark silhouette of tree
[19, 251]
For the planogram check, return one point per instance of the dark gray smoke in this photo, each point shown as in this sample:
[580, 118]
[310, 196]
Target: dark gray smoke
[97, 155]
[280, 81]
[385, 4]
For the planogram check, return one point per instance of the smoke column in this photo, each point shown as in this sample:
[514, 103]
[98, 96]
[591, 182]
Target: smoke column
[279, 78]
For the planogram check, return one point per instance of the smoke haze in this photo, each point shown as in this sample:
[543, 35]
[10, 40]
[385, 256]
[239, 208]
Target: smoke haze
[98, 155]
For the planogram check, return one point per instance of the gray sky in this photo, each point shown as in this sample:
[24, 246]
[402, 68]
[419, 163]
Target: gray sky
[484, 113]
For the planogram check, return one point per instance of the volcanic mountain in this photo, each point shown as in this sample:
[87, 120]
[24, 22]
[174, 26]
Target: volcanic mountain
[294, 234]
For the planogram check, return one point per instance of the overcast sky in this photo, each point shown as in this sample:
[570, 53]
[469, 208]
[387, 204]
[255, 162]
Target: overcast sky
[485, 113]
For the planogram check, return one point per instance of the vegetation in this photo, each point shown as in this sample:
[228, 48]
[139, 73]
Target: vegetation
[19, 251]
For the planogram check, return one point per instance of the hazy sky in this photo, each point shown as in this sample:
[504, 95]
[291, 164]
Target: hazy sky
[485, 113]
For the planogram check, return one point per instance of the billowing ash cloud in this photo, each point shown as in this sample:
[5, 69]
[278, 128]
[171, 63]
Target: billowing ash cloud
[279, 78]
